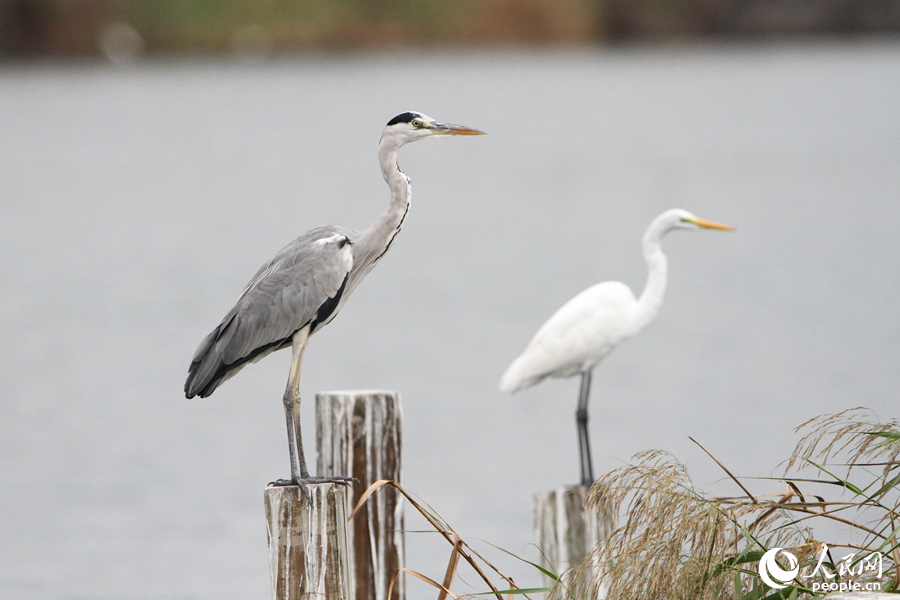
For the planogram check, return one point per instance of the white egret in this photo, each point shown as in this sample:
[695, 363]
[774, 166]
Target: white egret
[590, 325]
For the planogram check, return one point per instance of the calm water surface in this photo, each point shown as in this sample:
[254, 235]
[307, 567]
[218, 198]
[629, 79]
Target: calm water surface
[136, 203]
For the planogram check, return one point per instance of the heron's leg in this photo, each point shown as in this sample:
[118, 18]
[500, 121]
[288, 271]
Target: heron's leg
[298, 347]
[292, 444]
[292, 404]
[299, 472]
[581, 418]
[304, 472]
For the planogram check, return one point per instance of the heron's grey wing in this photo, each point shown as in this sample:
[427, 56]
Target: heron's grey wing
[302, 284]
[285, 300]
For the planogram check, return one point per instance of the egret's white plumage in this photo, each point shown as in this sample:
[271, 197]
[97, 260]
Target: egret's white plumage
[576, 337]
[590, 325]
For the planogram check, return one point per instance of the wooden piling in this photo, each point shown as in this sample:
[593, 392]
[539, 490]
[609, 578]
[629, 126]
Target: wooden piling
[359, 436]
[309, 549]
[564, 531]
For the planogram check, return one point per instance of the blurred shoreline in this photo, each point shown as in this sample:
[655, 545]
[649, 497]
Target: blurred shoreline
[122, 30]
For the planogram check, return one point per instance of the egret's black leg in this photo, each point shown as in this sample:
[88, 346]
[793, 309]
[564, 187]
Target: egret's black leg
[581, 419]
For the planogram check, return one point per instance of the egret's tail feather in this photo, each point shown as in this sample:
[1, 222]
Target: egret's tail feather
[516, 377]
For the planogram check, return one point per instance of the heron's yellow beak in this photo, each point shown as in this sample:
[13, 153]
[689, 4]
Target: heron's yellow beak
[710, 224]
[449, 129]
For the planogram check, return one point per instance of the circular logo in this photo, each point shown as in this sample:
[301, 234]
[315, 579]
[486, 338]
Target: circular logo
[774, 576]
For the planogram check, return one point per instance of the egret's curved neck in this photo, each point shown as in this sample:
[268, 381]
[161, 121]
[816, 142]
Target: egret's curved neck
[375, 241]
[651, 298]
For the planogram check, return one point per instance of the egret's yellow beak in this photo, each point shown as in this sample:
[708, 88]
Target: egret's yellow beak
[710, 224]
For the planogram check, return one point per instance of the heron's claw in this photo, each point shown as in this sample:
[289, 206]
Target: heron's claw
[281, 483]
[314, 480]
[303, 481]
[337, 480]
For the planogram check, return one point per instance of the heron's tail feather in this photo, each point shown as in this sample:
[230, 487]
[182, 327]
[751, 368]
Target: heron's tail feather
[217, 360]
[207, 369]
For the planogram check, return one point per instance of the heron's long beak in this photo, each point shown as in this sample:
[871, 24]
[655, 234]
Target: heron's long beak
[710, 224]
[449, 129]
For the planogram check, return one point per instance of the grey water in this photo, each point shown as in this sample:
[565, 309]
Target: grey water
[136, 202]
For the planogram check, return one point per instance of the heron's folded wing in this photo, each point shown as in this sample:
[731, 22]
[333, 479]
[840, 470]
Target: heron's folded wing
[284, 296]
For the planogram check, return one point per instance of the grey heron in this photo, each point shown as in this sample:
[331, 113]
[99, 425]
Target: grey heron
[303, 287]
[590, 325]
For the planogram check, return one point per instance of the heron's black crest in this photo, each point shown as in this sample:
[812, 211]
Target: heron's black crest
[404, 118]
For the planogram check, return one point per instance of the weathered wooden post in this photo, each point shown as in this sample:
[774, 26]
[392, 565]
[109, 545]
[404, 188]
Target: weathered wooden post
[564, 531]
[359, 436]
[309, 550]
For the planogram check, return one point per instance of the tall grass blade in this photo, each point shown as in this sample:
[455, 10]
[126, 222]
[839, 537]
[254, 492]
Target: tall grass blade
[451, 567]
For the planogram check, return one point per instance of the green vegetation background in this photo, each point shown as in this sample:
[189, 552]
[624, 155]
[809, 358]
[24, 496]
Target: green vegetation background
[76, 27]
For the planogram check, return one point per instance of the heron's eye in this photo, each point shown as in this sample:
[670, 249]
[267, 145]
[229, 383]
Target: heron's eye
[416, 123]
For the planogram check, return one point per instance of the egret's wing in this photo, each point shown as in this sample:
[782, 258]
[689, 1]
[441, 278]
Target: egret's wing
[575, 338]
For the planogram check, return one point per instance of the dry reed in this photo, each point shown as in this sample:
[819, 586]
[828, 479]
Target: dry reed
[675, 542]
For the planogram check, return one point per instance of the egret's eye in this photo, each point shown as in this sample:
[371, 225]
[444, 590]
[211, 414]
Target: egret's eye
[416, 123]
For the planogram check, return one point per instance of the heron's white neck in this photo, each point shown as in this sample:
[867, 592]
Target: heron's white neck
[395, 178]
[650, 302]
[375, 241]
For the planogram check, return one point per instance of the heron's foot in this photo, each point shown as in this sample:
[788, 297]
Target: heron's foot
[337, 480]
[304, 481]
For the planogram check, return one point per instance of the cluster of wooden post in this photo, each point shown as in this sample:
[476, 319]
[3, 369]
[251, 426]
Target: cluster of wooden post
[313, 551]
